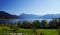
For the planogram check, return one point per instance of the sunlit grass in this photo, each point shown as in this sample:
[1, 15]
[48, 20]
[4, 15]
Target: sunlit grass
[29, 31]
[49, 31]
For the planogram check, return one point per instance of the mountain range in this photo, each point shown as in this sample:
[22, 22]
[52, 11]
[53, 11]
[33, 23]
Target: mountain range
[4, 15]
[28, 16]
[32, 16]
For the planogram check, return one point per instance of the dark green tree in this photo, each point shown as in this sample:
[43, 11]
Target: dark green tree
[35, 25]
[44, 24]
[53, 23]
[26, 24]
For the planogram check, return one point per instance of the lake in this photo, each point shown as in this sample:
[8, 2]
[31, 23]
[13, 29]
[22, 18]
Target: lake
[16, 20]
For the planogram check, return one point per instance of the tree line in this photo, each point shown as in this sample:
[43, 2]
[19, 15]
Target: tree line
[52, 24]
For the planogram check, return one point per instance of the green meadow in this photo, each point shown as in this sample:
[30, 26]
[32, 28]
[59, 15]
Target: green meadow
[7, 30]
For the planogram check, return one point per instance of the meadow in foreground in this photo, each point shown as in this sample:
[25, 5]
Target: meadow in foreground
[29, 31]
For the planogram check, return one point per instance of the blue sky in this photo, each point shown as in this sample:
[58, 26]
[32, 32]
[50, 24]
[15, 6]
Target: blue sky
[38, 7]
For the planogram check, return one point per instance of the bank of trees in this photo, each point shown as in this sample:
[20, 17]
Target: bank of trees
[52, 24]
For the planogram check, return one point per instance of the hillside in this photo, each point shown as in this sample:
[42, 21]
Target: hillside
[4, 15]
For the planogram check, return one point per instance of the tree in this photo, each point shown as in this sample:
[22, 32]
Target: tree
[53, 23]
[36, 24]
[18, 24]
[44, 24]
[26, 24]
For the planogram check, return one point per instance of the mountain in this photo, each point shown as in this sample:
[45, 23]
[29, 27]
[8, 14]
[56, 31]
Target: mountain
[5, 15]
[28, 16]
[32, 16]
[51, 16]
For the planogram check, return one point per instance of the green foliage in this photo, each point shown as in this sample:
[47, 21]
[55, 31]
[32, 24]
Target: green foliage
[26, 24]
[44, 23]
[36, 23]
[53, 23]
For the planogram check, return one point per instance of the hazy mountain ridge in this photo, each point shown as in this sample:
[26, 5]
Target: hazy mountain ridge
[47, 16]
[4, 15]
[28, 16]
[50, 16]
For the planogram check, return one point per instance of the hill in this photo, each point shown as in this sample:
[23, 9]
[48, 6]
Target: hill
[5, 15]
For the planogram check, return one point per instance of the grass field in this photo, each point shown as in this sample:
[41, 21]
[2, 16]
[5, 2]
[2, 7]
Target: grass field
[49, 31]
[30, 31]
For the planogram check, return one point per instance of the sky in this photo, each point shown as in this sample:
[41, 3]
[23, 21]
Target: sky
[37, 7]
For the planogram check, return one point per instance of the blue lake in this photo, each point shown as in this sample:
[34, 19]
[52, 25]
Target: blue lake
[21, 20]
